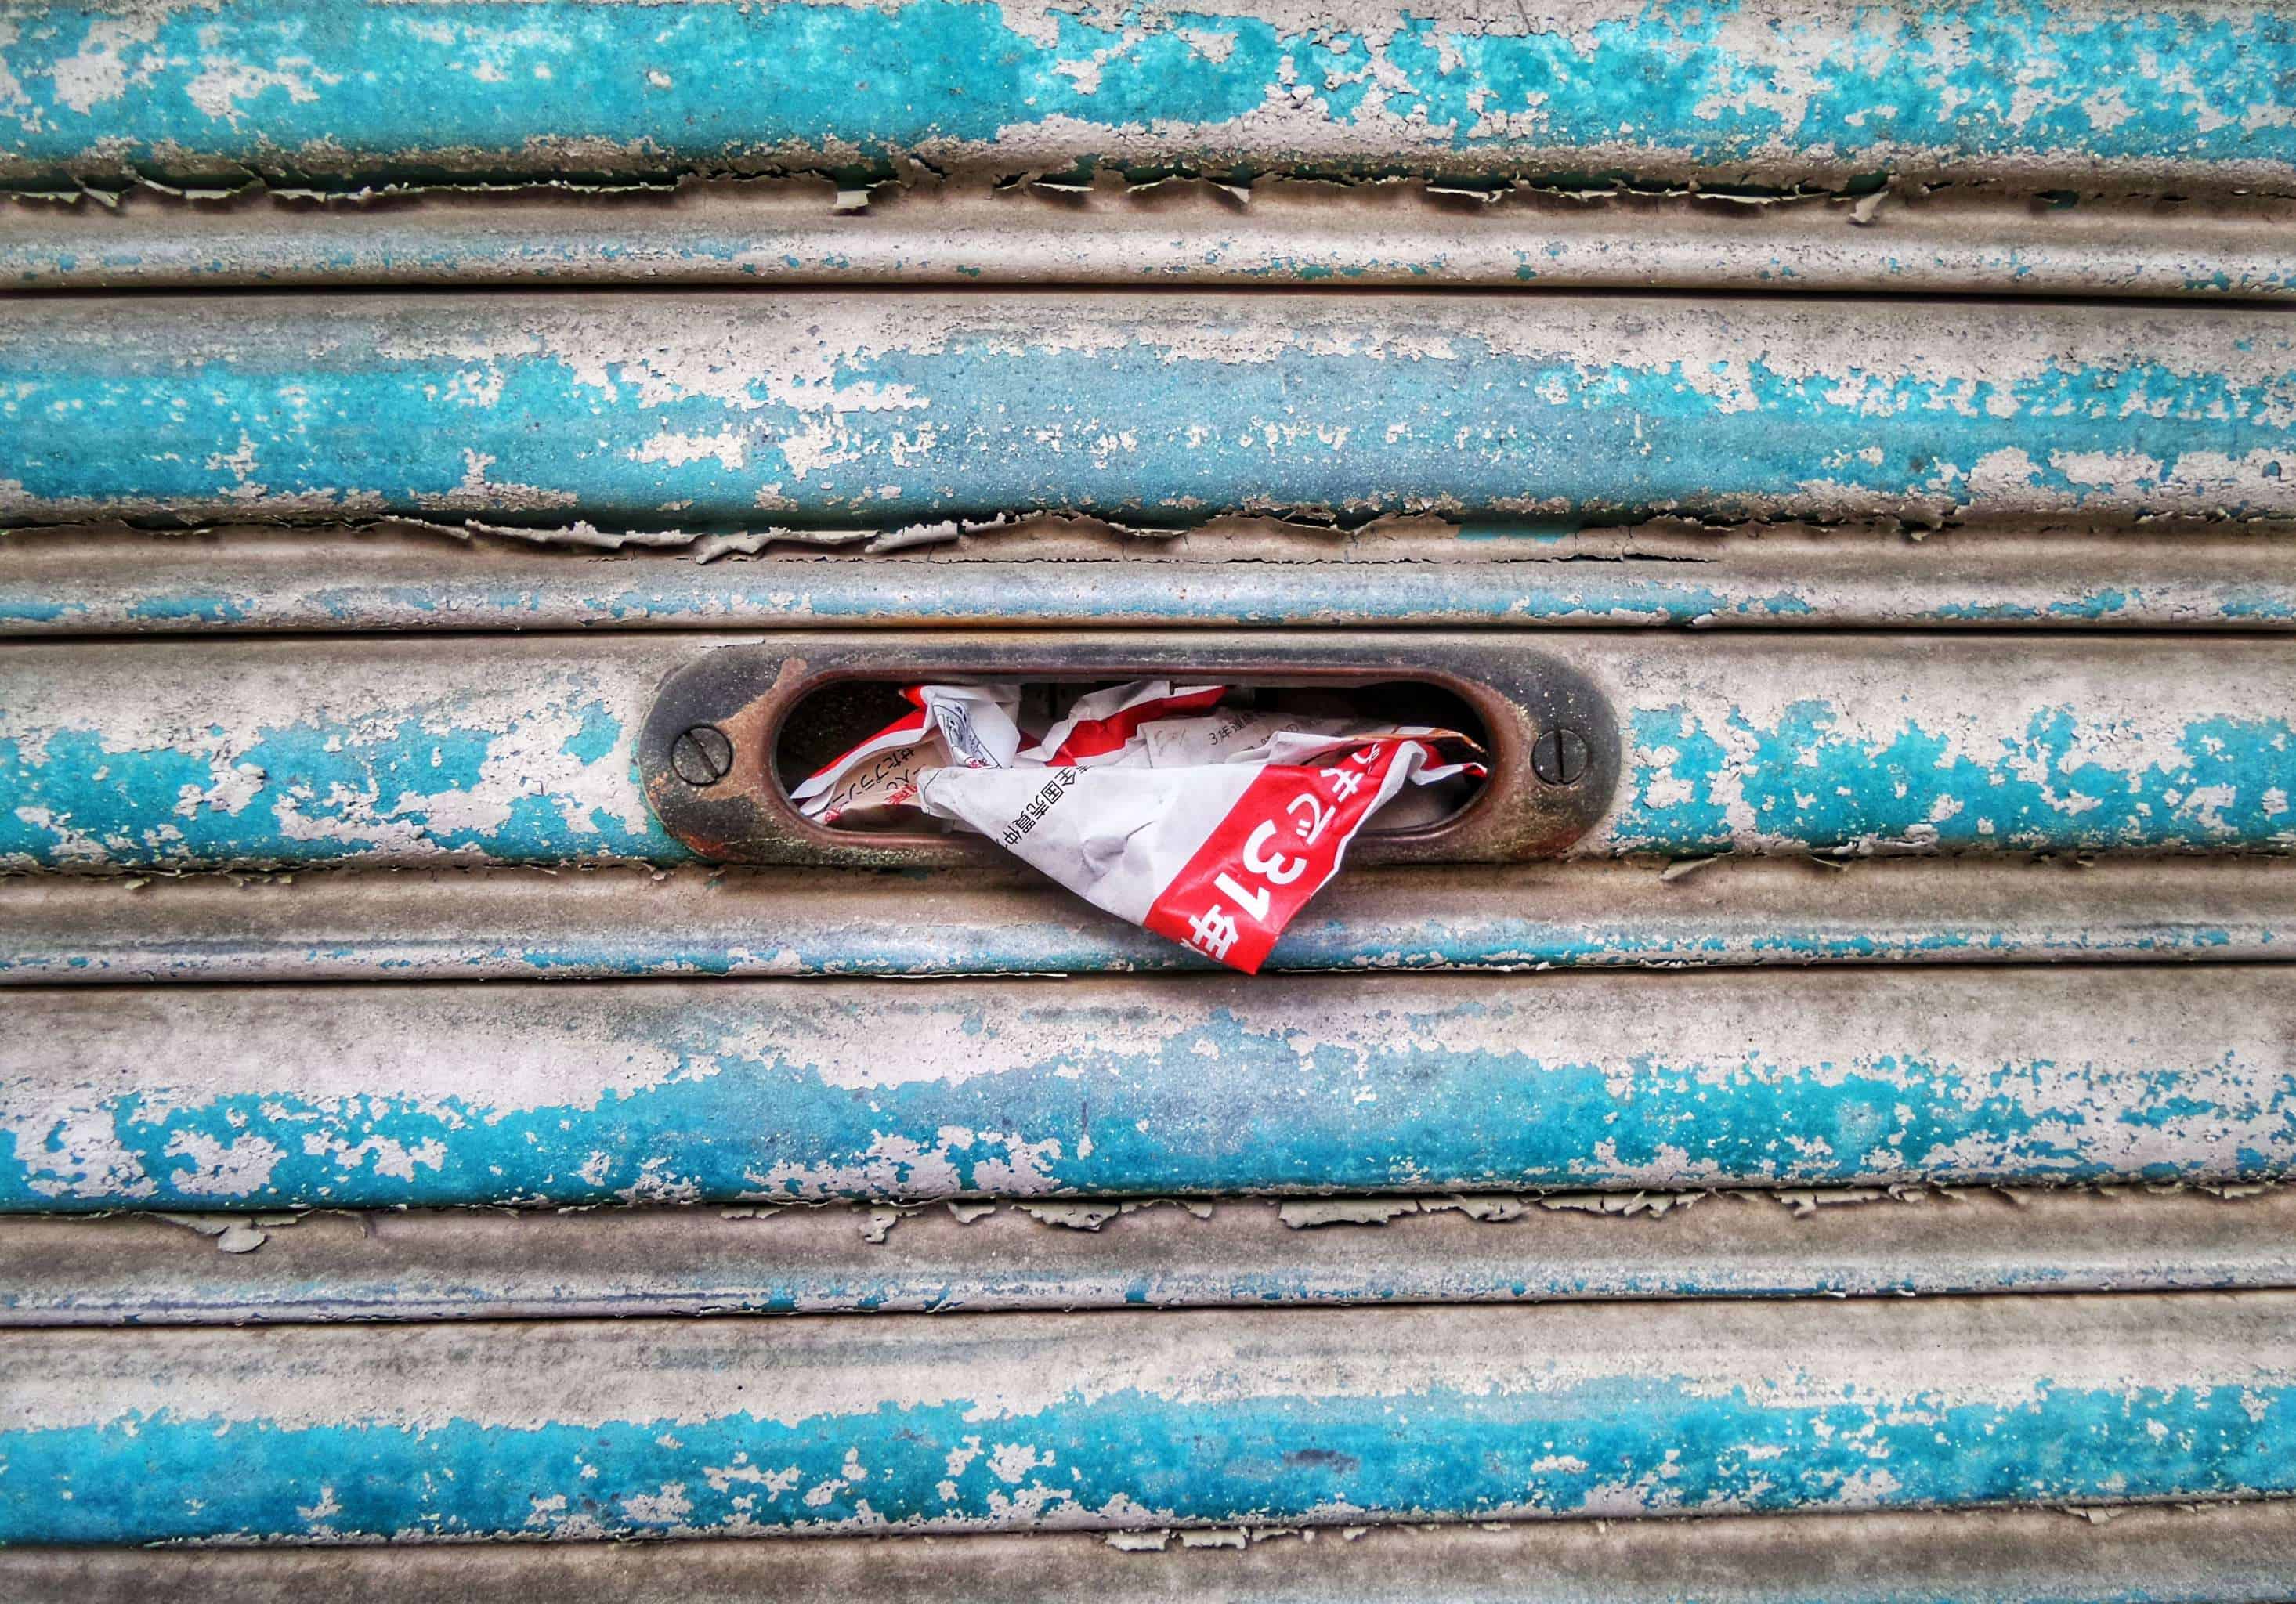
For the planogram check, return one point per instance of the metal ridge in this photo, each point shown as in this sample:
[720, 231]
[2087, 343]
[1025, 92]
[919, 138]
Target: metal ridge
[810, 231]
[330, 1266]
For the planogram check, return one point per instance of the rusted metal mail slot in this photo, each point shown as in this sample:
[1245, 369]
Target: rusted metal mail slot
[1755, 96]
[262, 1096]
[1147, 1419]
[728, 411]
[715, 750]
[500, 749]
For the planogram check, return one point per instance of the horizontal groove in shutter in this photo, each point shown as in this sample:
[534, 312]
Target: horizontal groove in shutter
[1111, 1253]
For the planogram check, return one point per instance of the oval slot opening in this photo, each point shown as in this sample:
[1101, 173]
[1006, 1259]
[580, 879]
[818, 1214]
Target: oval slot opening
[842, 714]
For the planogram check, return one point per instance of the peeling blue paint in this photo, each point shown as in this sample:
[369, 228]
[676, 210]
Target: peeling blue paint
[193, 607]
[754, 1096]
[22, 609]
[315, 410]
[339, 91]
[2260, 605]
[1805, 778]
[1670, 1444]
[432, 775]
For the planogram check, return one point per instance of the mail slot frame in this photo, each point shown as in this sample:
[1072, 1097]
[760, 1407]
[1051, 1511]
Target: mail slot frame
[748, 692]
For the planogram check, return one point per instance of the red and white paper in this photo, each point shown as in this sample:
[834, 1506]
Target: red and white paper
[1211, 825]
[968, 726]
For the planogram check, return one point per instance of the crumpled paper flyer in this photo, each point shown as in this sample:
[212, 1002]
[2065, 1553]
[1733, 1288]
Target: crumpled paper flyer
[1207, 822]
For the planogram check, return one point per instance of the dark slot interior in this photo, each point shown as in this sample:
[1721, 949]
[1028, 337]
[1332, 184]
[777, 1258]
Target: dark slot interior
[844, 713]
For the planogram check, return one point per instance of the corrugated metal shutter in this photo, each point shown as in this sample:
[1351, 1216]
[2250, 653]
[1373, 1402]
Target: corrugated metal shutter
[1837, 1080]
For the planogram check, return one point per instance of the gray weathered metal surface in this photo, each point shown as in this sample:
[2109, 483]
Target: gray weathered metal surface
[1233, 575]
[2188, 1554]
[513, 924]
[1142, 1419]
[805, 231]
[781, 1090]
[490, 1264]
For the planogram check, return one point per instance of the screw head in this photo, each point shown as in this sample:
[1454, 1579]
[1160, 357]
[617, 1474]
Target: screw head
[701, 756]
[1559, 756]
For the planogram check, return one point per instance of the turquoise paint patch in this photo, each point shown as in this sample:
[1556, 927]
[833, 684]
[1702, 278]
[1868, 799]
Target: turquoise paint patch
[599, 733]
[39, 609]
[407, 782]
[1806, 777]
[745, 1113]
[1558, 1449]
[343, 90]
[2256, 604]
[193, 607]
